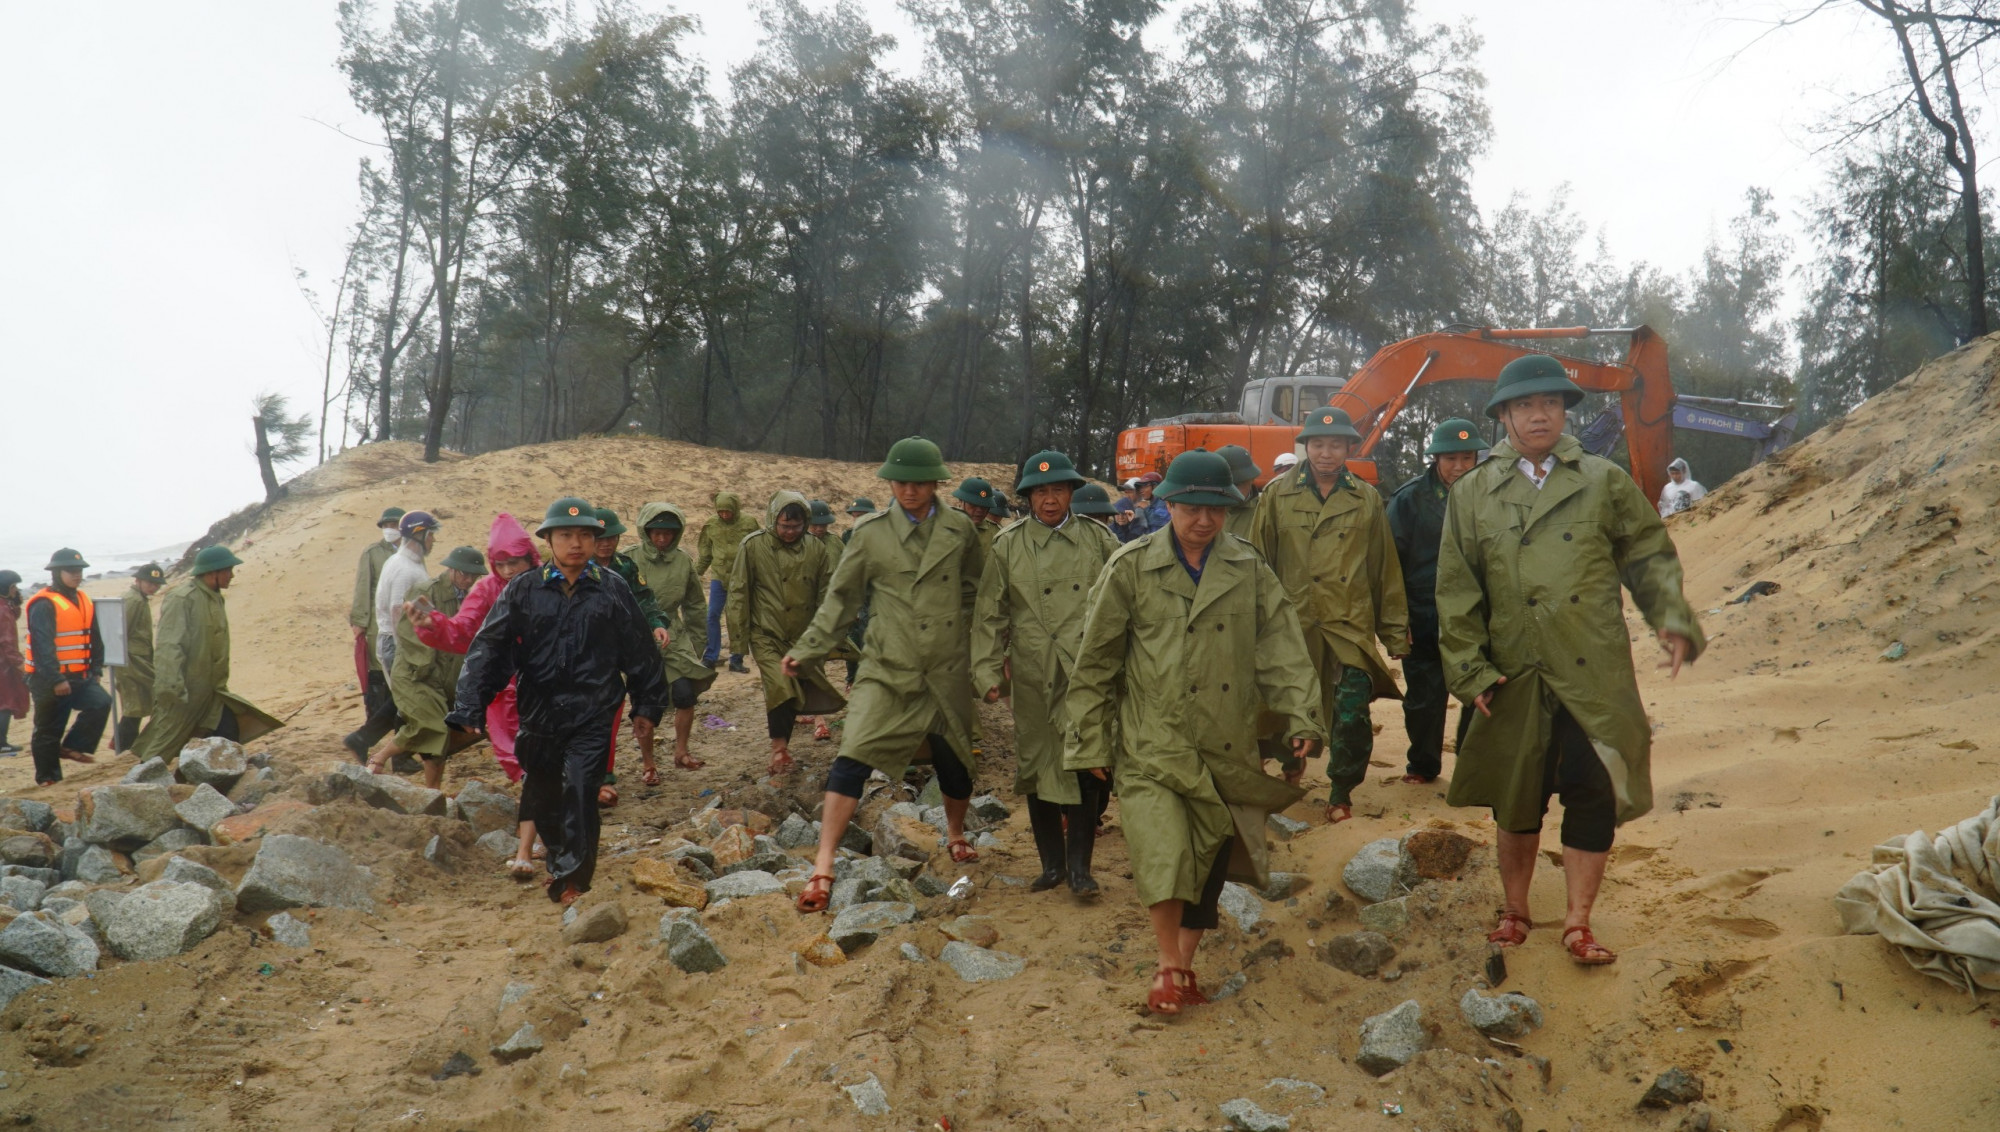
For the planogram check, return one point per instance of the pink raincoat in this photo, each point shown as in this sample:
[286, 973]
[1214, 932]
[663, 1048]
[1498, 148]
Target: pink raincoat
[508, 539]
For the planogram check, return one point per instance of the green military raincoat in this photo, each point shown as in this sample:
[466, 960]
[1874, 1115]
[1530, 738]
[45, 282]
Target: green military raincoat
[135, 680]
[1033, 592]
[675, 585]
[190, 670]
[423, 680]
[916, 677]
[1338, 564]
[1183, 667]
[361, 614]
[716, 548]
[773, 594]
[1528, 588]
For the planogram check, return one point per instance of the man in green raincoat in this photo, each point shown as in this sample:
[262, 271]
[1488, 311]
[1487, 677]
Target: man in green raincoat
[375, 701]
[1325, 534]
[667, 570]
[918, 564]
[1416, 521]
[1188, 632]
[134, 681]
[1536, 542]
[716, 550]
[422, 679]
[191, 697]
[782, 575]
[1029, 618]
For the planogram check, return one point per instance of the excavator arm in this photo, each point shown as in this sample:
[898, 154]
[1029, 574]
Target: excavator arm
[1382, 387]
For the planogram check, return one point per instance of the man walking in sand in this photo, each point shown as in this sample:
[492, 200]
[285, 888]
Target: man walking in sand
[716, 551]
[573, 635]
[1536, 543]
[1416, 520]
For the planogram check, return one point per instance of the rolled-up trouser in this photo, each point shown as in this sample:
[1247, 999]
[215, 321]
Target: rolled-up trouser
[1425, 703]
[562, 773]
[88, 703]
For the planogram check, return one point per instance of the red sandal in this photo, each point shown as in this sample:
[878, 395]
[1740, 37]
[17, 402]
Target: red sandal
[1584, 949]
[815, 896]
[1165, 997]
[1513, 930]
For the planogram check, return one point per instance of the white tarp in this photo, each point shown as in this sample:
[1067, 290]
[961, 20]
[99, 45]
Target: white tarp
[1937, 899]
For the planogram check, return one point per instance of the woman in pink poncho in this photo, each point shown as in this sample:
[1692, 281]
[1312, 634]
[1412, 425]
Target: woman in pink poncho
[510, 552]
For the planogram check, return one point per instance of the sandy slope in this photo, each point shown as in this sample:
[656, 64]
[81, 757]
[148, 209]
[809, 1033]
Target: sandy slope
[1781, 759]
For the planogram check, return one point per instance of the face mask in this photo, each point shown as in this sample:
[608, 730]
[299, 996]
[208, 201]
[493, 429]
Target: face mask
[391, 536]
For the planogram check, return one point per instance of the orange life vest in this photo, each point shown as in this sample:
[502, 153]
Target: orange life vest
[73, 621]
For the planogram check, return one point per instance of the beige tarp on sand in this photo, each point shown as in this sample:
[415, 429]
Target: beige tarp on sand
[1936, 899]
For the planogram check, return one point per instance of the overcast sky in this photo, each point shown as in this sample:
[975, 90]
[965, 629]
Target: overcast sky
[173, 165]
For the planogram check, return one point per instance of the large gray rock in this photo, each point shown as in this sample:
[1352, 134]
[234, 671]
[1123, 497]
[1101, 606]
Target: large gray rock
[13, 982]
[1244, 1114]
[96, 865]
[43, 943]
[294, 872]
[1391, 1039]
[289, 931]
[153, 771]
[214, 761]
[1506, 1015]
[205, 807]
[21, 893]
[596, 924]
[27, 816]
[1379, 871]
[125, 816]
[172, 841]
[393, 793]
[979, 964]
[163, 919]
[486, 809]
[797, 833]
[860, 924]
[1242, 905]
[688, 944]
[1358, 953]
[737, 886]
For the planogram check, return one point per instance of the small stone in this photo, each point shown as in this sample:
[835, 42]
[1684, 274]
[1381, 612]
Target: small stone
[975, 930]
[688, 944]
[988, 808]
[822, 952]
[1390, 917]
[597, 923]
[289, 931]
[1506, 1015]
[732, 845]
[1438, 854]
[911, 952]
[665, 880]
[164, 919]
[1284, 886]
[206, 807]
[1390, 1039]
[1244, 1114]
[21, 893]
[859, 925]
[524, 1043]
[1295, 1090]
[978, 964]
[487, 810]
[1285, 828]
[501, 843]
[737, 886]
[213, 761]
[153, 771]
[13, 982]
[1242, 905]
[868, 1097]
[290, 872]
[43, 943]
[1675, 1086]
[1376, 872]
[250, 826]
[795, 832]
[125, 817]
[1358, 953]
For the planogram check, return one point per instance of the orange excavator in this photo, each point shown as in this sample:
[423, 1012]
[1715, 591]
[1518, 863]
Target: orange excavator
[1381, 388]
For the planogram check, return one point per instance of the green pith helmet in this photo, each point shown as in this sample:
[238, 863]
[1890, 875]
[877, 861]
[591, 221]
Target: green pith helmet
[150, 572]
[1454, 435]
[1046, 467]
[391, 516]
[974, 490]
[466, 559]
[212, 558]
[66, 559]
[1532, 373]
[1241, 466]
[569, 511]
[862, 505]
[1201, 479]
[818, 514]
[612, 527]
[1324, 421]
[914, 460]
[1090, 499]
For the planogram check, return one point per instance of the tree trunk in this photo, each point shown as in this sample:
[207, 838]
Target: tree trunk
[273, 490]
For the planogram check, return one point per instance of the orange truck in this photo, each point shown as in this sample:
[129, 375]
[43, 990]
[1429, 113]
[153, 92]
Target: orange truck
[1272, 406]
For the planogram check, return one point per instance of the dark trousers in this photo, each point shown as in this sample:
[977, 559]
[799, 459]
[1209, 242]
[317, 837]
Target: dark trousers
[561, 776]
[89, 703]
[382, 714]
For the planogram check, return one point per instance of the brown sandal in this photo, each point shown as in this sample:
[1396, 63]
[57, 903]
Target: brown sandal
[1512, 932]
[1584, 949]
[961, 851]
[816, 896]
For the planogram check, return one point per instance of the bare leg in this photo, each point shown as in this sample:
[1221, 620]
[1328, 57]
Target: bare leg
[834, 816]
[1583, 873]
[1517, 869]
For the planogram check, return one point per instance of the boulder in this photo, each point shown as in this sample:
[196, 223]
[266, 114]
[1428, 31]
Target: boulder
[1390, 1039]
[1506, 1015]
[205, 808]
[164, 918]
[524, 1043]
[1377, 872]
[153, 771]
[797, 833]
[860, 924]
[486, 809]
[1437, 854]
[1242, 905]
[13, 982]
[289, 931]
[214, 761]
[978, 964]
[737, 886]
[21, 893]
[250, 826]
[26, 816]
[688, 944]
[125, 816]
[43, 943]
[1358, 953]
[294, 872]
[665, 880]
[1244, 1114]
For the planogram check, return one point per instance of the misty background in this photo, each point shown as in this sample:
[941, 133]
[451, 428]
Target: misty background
[189, 225]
